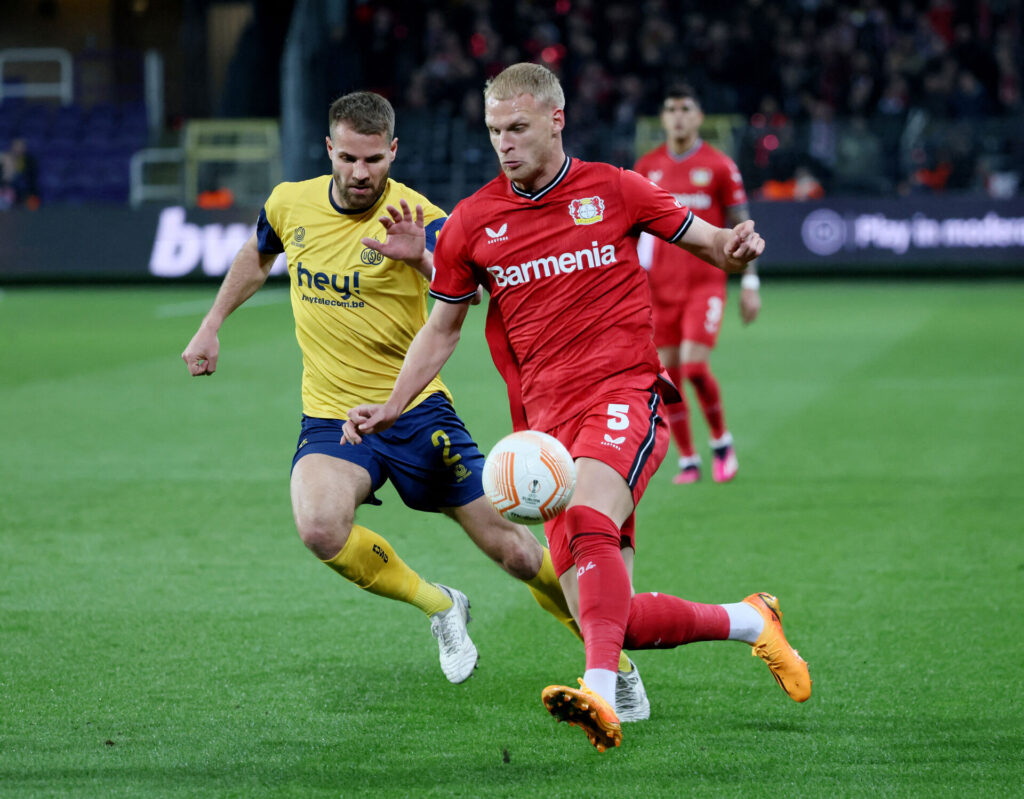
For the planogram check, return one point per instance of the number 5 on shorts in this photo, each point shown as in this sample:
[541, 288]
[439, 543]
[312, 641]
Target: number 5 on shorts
[618, 416]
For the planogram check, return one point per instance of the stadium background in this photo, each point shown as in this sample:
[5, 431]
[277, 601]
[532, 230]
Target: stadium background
[907, 115]
[164, 633]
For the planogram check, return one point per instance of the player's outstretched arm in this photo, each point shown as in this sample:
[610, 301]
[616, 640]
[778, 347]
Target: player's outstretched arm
[429, 351]
[248, 272]
[405, 240]
[730, 249]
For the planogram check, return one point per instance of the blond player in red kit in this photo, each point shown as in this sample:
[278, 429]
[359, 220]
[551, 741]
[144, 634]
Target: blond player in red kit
[688, 294]
[553, 239]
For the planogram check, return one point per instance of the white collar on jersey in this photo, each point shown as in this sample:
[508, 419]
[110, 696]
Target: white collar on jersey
[536, 195]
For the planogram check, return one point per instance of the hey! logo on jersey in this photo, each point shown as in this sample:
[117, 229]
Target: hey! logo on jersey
[321, 281]
[587, 211]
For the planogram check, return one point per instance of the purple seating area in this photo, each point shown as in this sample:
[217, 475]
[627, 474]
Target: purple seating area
[82, 154]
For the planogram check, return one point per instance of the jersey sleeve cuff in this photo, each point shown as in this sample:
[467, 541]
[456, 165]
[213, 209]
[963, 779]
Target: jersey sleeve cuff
[449, 298]
[682, 228]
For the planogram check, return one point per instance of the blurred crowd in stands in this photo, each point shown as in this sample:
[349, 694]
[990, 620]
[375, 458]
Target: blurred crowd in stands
[18, 172]
[863, 97]
[812, 97]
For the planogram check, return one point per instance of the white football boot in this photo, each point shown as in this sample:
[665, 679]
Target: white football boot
[631, 703]
[457, 650]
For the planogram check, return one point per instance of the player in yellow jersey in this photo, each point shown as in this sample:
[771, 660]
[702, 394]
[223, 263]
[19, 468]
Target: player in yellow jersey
[359, 270]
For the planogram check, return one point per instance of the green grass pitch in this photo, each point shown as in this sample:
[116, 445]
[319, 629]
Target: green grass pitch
[164, 633]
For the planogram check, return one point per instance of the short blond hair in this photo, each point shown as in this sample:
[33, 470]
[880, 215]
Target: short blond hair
[524, 78]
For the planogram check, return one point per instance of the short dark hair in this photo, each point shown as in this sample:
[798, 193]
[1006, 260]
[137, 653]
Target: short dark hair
[367, 113]
[681, 91]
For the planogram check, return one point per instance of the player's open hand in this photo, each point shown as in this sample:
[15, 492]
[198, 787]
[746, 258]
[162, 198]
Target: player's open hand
[200, 356]
[364, 420]
[406, 239]
[743, 245]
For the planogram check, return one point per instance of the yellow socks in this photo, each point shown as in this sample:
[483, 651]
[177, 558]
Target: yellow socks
[548, 592]
[370, 562]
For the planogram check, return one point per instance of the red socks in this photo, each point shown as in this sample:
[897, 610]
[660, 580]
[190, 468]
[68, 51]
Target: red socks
[661, 621]
[604, 584]
[609, 619]
[709, 394]
[678, 416]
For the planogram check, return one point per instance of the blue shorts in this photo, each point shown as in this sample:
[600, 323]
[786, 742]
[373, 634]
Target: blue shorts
[428, 455]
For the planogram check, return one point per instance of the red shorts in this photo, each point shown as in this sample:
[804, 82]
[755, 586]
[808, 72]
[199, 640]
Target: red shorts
[698, 317]
[623, 430]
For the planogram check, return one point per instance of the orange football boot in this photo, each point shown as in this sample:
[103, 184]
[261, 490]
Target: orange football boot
[584, 709]
[788, 668]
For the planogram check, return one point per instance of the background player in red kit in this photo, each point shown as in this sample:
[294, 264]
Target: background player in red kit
[688, 294]
[569, 327]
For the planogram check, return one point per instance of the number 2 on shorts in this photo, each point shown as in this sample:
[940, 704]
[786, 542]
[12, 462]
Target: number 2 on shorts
[437, 438]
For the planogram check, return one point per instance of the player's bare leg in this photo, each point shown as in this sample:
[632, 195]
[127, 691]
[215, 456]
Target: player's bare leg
[511, 546]
[518, 552]
[325, 493]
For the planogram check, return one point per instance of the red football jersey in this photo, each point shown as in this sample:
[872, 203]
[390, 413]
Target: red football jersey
[570, 309]
[706, 180]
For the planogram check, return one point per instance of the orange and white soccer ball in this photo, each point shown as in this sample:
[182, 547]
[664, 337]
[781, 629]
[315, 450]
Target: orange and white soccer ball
[529, 477]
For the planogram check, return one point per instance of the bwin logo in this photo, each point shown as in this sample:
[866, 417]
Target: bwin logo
[499, 234]
[180, 246]
[614, 441]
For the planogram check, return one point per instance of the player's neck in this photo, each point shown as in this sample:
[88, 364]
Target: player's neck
[682, 146]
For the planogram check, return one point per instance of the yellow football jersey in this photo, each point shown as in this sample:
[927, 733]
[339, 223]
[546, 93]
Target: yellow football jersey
[356, 312]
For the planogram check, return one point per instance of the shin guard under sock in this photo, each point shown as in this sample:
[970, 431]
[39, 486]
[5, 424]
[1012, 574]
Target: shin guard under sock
[662, 621]
[604, 585]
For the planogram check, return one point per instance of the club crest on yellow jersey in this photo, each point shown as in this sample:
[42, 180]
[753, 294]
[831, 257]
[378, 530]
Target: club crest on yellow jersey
[370, 256]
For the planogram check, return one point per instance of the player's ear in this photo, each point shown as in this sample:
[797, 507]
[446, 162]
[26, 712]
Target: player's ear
[394, 148]
[558, 120]
[330, 147]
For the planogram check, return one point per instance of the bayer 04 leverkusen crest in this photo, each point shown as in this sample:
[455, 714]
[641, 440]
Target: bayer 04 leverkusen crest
[587, 210]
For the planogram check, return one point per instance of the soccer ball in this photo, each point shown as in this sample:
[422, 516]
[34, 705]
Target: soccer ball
[529, 477]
